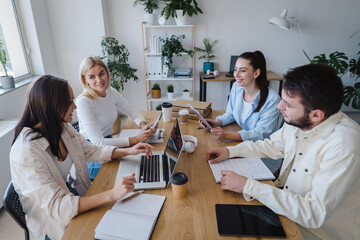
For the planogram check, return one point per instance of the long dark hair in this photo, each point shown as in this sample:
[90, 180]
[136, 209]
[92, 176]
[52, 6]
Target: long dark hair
[257, 61]
[47, 103]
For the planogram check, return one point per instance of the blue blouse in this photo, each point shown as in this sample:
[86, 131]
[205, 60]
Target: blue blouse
[257, 125]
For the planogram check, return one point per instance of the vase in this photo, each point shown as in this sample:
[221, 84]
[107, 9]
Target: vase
[181, 19]
[149, 18]
[208, 66]
[156, 93]
[186, 94]
[7, 82]
[170, 95]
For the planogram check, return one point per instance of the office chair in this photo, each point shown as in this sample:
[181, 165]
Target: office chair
[13, 206]
[76, 126]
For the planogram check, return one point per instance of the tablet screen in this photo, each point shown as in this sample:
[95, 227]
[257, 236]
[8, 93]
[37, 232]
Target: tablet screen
[248, 220]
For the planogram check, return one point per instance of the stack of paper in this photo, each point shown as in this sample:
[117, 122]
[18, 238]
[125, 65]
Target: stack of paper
[204, 108]
[133, 219]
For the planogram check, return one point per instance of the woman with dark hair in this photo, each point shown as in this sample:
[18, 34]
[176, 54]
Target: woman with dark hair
[48, 161]
[252, 104]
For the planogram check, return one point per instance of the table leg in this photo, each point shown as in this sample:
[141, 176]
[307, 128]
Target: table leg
[201, 89]
[204, 89]
[280, 87]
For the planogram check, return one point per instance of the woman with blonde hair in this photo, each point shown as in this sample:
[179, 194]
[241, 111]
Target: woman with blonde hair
[98, 108]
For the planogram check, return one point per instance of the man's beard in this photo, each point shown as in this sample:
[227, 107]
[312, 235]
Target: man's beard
[303, 123]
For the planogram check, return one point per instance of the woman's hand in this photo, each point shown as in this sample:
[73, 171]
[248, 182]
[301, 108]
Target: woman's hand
[141, 148]
[212, 123]
[145, 134]
[219, 133]
[123, 187]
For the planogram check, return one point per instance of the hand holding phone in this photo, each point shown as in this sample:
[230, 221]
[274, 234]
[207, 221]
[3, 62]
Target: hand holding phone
[157, 121]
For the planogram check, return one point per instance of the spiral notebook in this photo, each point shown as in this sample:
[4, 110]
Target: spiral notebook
[252, 168]
[133, 219]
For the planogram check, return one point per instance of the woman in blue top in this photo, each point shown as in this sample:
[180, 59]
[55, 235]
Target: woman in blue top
[252, 104]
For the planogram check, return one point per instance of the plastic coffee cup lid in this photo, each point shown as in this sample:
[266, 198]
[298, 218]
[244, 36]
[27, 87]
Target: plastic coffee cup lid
[166, 105]
[183, 112]
[179, 178]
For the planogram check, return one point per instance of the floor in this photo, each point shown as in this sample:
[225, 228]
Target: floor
[9, 229]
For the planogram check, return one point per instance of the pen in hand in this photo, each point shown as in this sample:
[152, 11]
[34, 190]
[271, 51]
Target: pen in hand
[132, 196]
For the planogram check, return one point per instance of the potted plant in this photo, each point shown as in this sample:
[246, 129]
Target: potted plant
[172, 46]
[149, 7]
[207, 52]
[170, 91]
[116, 57]
[158, 107]
[156, 91]
[338, 60]
[186, 93]
[181, 10]
[6, 81]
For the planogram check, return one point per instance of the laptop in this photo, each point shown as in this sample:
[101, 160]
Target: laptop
[232, 66]
[155, 172]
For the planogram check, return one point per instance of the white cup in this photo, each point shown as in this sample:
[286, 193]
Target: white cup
[167, 110]
[183, 115]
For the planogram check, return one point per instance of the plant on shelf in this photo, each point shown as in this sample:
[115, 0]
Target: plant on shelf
[338, 60]
[170, 91]
[156, 91]
[149, 5]
[172, 47]
[116, 57]
[180, 10]
[207, 52]
[186, 93]
[6, 81]
[158, 107]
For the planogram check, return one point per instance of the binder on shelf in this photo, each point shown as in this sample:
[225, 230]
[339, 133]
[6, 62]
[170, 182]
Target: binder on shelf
[165, 70]
[158, 67]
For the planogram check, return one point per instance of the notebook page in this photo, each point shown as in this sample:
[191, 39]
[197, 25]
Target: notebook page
[120, 225]
[145, 204]
[252, 168]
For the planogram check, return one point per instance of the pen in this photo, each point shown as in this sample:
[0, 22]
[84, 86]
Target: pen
[132, 196]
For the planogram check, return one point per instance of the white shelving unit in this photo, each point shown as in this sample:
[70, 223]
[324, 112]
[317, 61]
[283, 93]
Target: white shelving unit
[184, 61]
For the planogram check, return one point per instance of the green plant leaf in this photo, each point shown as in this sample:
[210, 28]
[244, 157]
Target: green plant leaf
[337, 61]
[354, 67]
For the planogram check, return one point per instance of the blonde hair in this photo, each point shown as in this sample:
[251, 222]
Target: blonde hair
[86, 64]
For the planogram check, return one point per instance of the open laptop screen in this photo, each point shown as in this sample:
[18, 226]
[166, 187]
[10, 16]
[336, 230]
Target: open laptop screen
[175, 143]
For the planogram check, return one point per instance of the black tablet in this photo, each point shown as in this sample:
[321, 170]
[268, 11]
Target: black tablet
[248, 220]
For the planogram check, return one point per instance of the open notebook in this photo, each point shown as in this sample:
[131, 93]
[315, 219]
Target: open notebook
[133, 219]
[252, 168]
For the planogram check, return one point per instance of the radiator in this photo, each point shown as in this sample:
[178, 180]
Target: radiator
[6, 137]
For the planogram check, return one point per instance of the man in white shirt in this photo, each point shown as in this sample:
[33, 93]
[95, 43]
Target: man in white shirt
[319, 184]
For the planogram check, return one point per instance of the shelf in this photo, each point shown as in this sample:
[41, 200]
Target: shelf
[168, 26]
[159, 54]
[170, 79]
[164, 98]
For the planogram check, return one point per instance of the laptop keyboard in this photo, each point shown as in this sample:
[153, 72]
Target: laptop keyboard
[150, 169]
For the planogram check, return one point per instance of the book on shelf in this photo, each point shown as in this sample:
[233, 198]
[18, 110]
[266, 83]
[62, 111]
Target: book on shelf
[253, 168]
[193, 115]
[132, 219]
[201, 107]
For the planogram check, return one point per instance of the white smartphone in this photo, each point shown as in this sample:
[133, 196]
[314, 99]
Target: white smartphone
[157, 121]
[201, 117]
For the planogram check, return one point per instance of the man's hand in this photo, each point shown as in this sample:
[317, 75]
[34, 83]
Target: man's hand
[232, 181]
[217, 155]
[212, 123]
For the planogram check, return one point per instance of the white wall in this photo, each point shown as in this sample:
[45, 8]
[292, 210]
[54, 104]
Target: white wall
[243, 26]
[70, 30]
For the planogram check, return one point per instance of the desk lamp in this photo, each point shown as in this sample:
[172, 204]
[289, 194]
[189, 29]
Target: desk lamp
[283, 23]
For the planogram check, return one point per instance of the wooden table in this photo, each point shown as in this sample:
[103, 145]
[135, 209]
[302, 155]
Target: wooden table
[190, 218]
[222, 78]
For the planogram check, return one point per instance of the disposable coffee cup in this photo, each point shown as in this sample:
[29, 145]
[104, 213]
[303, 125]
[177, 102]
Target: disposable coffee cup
[167, 110]
[183, 115]
[178, 184]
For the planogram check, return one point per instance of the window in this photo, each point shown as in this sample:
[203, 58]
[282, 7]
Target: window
[11, 35]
